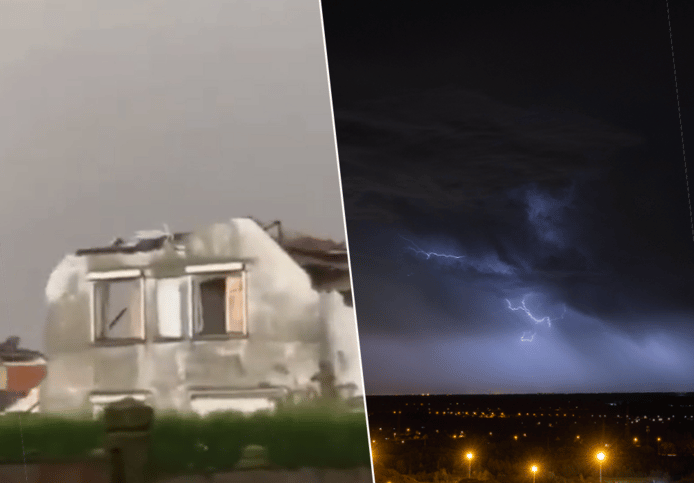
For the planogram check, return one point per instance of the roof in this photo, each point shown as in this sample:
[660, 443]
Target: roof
[10, 352]
[307, 251]
[325, 260]
[311, 252]
[142, 242]
[310, 244]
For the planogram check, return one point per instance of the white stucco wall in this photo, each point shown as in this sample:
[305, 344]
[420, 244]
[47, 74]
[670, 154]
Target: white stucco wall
[285, 335]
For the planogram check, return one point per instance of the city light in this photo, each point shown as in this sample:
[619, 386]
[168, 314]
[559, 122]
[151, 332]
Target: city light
[551, 417]
[600, 456]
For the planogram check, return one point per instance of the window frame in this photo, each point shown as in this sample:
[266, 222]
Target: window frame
[197, 274]
[112, 276]
[185, 311]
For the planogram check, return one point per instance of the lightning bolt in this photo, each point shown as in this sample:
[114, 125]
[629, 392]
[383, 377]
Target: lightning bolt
[428, 255]
[524, 337]
[527, 311]
[542, 320]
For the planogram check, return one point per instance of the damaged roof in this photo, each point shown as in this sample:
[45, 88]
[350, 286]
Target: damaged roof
[314, 251]
[325, 260]
[143, 242]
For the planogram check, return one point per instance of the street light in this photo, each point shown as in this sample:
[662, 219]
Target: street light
[601, 456]
[469, 465]
[534, 470]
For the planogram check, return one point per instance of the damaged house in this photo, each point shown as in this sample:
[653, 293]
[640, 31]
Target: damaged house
[230, 317]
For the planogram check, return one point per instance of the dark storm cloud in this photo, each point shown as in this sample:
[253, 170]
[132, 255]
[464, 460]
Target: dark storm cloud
[446, 151]
[512, 193]
[582, 217]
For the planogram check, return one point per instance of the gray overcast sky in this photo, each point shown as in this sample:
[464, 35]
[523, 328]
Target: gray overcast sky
[123, 115]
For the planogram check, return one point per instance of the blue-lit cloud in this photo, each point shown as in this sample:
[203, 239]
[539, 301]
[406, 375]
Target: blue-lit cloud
[457, 211]
[480, 364]
[547, 213]
[489, 263]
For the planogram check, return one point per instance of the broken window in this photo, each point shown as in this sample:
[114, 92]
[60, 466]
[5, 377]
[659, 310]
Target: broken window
[118, 309]
[221, 306]
[169, 308]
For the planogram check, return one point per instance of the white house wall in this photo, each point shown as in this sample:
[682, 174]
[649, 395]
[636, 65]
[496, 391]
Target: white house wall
[343, 340]
[284, 326]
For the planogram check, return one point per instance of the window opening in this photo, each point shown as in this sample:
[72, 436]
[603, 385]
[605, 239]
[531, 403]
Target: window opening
[222, 306]
[118, 309]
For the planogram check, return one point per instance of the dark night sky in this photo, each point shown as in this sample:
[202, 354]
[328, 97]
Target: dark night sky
[539, 147]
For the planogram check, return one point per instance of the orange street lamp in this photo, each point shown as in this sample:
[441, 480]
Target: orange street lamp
[601, 456]
[534, 470]
[469, 465]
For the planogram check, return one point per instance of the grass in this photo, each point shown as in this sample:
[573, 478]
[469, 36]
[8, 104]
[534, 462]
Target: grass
[315, 435]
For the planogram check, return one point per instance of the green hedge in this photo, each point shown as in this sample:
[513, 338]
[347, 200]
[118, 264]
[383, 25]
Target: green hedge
[316, 436]
[34, 436]
[319, 435]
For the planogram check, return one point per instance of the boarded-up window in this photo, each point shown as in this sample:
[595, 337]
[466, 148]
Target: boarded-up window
[118, 308]
[169, 308]
[236, 304]
[222, 306]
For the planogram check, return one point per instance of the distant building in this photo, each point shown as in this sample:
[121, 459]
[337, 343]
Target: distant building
[650, 479]
[227, 317]
[21, 373]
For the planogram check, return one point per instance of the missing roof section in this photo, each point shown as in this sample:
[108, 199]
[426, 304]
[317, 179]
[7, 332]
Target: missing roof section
[325, 260]
[142, 242]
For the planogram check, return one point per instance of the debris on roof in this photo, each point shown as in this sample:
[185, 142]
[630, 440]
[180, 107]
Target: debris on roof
[325, 260]
[143, 241]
